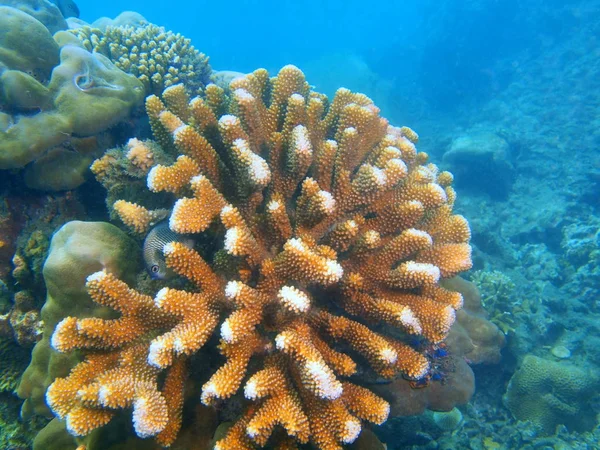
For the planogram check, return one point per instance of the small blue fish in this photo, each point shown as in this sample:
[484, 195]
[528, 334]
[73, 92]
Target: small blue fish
[440, 353]
[154, 244]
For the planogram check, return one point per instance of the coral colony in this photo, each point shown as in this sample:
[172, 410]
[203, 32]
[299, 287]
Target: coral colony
[331, 234]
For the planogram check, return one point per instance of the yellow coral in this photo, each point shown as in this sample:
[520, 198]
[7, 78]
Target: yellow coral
[328, 222]
[138, 218]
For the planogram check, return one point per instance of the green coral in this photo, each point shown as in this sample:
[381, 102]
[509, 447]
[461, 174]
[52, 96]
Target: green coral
[26, 44]
[549, 393]
[447, 421]
[495, 287]
[158, 58]
[497, 290]
[87, 94]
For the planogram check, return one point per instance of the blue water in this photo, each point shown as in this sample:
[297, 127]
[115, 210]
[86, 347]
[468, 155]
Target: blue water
[447, 52]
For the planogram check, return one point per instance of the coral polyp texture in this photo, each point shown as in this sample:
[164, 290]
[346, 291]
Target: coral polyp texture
[157, 57]
[331, 233]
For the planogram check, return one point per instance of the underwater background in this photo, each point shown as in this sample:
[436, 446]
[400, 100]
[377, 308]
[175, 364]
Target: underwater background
[504, 95]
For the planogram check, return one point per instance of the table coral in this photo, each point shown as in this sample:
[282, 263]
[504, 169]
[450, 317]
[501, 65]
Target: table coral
[331, 235]
[157, 57]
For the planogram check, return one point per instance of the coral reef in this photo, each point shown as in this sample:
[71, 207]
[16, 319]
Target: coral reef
[14, 362]
[76, 249]
[22, 323]
[549, 393]
[329, 234]
[157, 57]
[53, 97]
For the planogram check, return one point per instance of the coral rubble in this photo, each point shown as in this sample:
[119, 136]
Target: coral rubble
[330, 234]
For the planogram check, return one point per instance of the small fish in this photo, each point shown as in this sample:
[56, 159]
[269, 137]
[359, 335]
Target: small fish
[68, 8]
[154, 244]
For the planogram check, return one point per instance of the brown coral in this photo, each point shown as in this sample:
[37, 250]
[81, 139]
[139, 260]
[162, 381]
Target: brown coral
[333, 235]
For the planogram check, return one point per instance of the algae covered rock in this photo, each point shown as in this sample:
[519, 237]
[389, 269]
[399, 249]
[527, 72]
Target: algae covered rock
[549, 393]
[77, 250]
[26, 44]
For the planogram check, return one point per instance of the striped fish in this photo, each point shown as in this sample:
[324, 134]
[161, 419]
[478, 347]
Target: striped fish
[154, 244]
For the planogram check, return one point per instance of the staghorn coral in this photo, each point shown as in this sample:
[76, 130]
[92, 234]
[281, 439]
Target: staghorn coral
[330, 235]
[158, 58]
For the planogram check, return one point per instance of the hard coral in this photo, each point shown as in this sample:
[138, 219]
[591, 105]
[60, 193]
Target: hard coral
[158, 58]
[549, 393]
[331, 234]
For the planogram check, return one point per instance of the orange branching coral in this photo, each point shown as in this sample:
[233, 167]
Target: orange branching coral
[138, 218]
[139, 154]
[331, 234]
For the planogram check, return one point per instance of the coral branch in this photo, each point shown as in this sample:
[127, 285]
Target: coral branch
[322, 230]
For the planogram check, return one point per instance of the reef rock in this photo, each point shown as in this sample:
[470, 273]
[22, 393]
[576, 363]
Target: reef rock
[481, 161]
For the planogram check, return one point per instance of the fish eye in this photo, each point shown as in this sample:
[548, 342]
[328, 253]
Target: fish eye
[154, 268]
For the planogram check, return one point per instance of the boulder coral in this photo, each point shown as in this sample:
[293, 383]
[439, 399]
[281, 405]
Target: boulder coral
[87, 95]
[548, 393]
[43, 10]
[53, 96]
[482, 162]
[326, 235]
[473, 336]
[26, 45]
